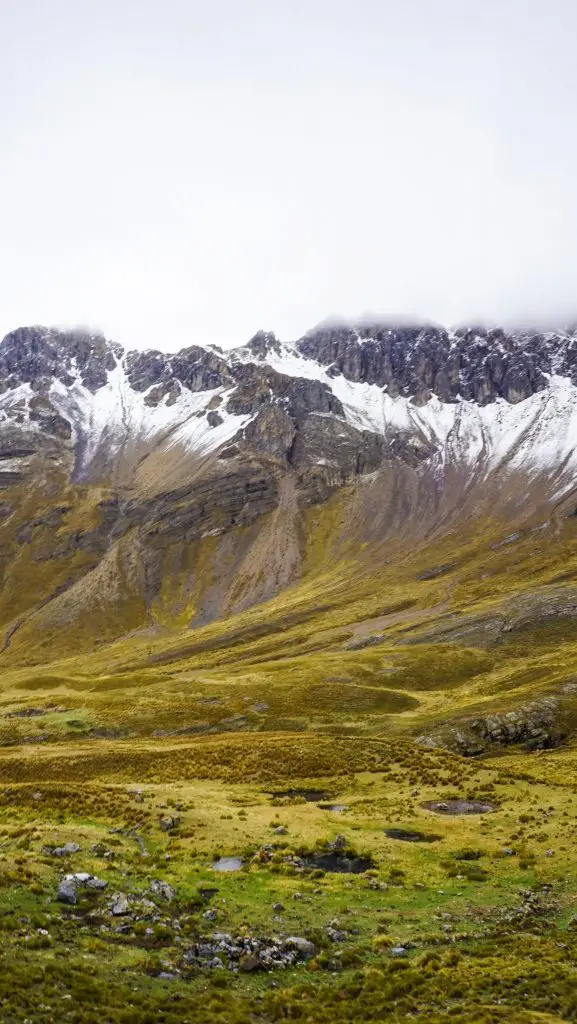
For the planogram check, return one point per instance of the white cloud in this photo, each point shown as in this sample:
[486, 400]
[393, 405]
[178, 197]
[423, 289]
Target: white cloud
[184, 172]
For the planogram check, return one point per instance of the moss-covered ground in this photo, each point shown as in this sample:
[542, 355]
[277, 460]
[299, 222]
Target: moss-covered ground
[484, 912]
[159, 743]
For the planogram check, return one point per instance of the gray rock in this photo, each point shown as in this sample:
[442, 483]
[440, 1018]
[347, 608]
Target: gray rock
[302, 946]
[66, 850]
[399, 951]
[163, 889]
[281, 831]
[67, 891]
[120, 905]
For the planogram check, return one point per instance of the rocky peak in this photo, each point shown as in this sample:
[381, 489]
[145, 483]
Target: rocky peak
[478, 364]
[262, 343]
[36, 355]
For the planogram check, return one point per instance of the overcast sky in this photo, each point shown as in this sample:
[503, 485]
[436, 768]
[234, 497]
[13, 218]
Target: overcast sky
[176, 172]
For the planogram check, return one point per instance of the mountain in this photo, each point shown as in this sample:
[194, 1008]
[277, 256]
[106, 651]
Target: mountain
[362, 472]
[288, 678]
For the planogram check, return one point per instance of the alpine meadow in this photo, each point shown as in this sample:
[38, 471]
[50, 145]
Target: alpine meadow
[288, 687]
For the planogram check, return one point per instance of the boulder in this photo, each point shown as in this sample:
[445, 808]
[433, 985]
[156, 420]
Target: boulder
[120, 905]
[67, 891]
[303, 947]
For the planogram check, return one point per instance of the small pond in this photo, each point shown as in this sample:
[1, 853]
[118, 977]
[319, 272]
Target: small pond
[335, 808]
[459, 806]
[228, 864]
[410, 836]
[312, 796]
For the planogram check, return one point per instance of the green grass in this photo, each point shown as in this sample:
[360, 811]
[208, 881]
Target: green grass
[326, 685]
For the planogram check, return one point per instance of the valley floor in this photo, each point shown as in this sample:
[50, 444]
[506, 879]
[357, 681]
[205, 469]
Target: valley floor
[465, 917]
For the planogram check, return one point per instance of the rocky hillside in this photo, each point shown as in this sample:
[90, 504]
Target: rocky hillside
[146, 490]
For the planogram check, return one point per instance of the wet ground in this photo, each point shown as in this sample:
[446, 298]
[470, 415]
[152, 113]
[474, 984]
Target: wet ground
[409, 836]
[459, 806]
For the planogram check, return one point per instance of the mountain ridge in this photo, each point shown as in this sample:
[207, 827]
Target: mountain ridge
[149, 491]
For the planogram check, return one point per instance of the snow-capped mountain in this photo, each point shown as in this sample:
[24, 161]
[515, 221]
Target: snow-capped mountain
[139, 487]
[479, 398]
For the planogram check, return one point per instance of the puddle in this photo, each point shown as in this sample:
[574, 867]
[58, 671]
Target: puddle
[312, 796]
[408, 836]
[208, 894]
[338, 862]
[228, 864]
[459, 806]
[335, 808]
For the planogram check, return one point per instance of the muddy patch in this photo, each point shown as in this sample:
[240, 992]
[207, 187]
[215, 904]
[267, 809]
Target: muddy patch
[410, 836]
[310, 796]
[207, 893]
[228, 864]
[339, 863]
[459, 806]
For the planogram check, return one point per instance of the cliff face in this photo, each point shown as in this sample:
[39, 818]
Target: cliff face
[118, 471]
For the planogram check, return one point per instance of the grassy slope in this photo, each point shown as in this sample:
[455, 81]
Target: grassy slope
[280, 694]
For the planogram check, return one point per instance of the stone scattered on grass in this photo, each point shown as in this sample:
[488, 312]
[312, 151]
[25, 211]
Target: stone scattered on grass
[120, 905]
[63, 851]
[68, 887]
[160, 888]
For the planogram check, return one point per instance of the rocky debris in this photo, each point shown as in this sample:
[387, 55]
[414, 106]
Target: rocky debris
[398, 951]
[281, 831]
[249, 953]
[160, 888]
[63, 851]
[70, 884]
[120, 905]
[278, 908]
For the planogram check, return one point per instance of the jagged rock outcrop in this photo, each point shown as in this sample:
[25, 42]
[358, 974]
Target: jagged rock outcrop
[473, 363]
[115, 466]
[536, 726]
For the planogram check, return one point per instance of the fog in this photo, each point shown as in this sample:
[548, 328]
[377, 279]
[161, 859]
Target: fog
[180, 172]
